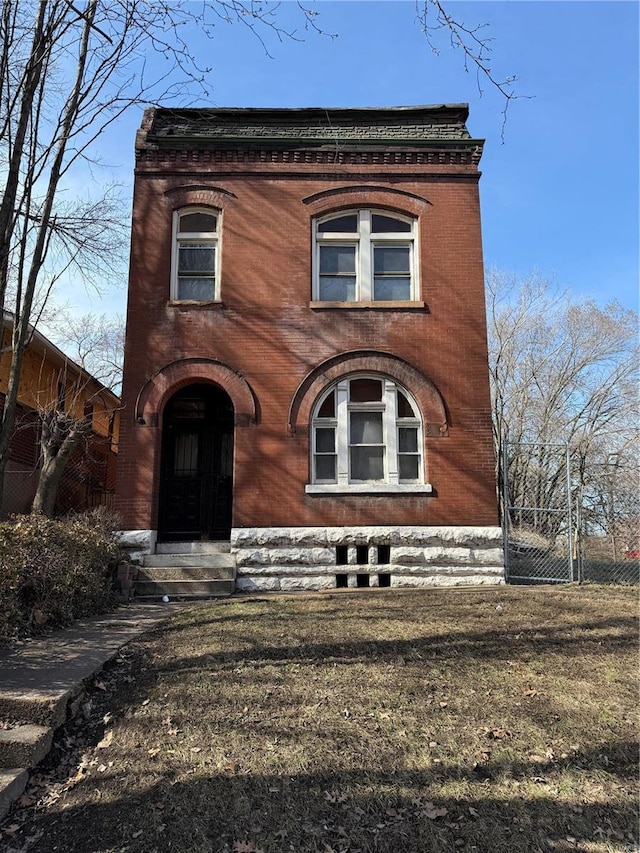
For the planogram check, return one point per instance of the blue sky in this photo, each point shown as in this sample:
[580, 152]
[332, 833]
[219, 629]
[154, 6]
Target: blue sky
[559, 196]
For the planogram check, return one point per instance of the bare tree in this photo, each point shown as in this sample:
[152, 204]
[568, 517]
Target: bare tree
[94, 341]
[562, 372]
[95, 344]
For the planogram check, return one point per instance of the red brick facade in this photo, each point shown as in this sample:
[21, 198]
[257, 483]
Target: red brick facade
[273, 349]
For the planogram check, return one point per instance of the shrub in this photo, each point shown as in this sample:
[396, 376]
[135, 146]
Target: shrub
[53, 571]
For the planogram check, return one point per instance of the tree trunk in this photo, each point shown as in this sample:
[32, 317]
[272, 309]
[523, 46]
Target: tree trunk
[58, 443]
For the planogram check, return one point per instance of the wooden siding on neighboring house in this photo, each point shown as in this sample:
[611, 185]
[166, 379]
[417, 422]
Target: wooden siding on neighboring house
[48, 378]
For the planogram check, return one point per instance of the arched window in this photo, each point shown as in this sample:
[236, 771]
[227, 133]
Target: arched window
[365, 256]
[195, 256]
[367, 437]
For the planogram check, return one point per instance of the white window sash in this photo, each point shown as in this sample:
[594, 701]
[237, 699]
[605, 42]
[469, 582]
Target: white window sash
[365, 242]
[391, 424]
[183, 238]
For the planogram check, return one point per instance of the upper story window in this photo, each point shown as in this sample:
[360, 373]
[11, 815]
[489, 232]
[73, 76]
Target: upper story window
[366, 437]
[195, 259]
[365, 256]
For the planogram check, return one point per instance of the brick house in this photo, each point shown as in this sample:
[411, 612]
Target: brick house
[306, 362]
[50, 379]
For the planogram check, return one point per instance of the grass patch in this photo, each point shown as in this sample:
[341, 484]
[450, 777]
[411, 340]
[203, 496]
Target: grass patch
[391, 721]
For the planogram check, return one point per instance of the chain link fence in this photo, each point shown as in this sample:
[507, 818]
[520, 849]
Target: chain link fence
[88, 481]
[537, 518]
[549, 537]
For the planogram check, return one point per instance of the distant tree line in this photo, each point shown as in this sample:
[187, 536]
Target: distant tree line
[565, 371]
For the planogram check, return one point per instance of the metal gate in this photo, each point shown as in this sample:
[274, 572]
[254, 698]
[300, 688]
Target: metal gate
[540, 536]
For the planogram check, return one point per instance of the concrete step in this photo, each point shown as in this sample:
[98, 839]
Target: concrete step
[204, 561]
[184, 573]
[24, 746]
[218, 547]
[184, 588]
[13, 781]
[45, 707]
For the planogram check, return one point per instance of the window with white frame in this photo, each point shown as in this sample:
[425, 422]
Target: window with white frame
[195, 259]
[365, 256]
[366, 436]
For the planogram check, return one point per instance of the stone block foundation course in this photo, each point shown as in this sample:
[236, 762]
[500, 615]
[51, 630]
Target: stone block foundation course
[314, 558]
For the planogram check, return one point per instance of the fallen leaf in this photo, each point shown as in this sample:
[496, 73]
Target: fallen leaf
[101, 685]
[153, 751]
[334, 798]
[146, 702]
[473, 812]
[244, 847]
[138, 833]
[530, 693]
[443, 704]
[498, 734]
[433, 812]
[102, 768]
[106, 741]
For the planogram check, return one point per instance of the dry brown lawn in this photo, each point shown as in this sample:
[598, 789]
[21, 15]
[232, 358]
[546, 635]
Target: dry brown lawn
[499, 720]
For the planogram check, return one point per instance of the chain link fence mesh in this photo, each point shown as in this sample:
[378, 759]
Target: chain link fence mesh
[547, 538]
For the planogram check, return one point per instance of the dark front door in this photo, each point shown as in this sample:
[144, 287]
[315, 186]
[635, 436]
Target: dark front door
[197, 465]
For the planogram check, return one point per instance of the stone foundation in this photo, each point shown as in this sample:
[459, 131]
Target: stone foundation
[138, 543]
[313, 558]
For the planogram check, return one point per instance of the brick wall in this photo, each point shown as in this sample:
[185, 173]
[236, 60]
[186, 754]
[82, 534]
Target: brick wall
[266, 330]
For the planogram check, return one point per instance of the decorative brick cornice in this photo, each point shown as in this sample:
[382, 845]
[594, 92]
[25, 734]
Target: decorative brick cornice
[458, 155]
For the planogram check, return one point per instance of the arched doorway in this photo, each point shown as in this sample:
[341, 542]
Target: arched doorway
[196, 476]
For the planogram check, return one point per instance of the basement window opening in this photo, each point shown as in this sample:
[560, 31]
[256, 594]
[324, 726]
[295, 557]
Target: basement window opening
[362, 580]
[362, 555]
[342, 581]
[384, 579]
[384, 555]
[342, 555]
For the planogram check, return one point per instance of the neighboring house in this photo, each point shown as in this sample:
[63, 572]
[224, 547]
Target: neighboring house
[306, 361]
[49, 379]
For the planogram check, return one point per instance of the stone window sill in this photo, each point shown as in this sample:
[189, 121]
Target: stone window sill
[368, 489]
[407, 305]
[190, 304]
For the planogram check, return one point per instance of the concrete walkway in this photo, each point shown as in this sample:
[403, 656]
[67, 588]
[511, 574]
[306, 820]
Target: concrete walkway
[41, 681]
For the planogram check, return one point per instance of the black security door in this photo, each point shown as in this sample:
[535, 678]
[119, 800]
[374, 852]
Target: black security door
[197, 465]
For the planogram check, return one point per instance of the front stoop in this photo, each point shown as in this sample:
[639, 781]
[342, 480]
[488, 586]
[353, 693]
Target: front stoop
[187, 570]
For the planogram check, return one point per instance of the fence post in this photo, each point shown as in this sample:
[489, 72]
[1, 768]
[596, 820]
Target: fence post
[573, 565]
[505, 507]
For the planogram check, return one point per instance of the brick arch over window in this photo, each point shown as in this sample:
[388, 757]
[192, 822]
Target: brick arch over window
[199, 194]
[189, 371]
[366, 196]
[426, 394]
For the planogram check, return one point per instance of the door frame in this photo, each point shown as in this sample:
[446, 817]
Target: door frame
[211, 484]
